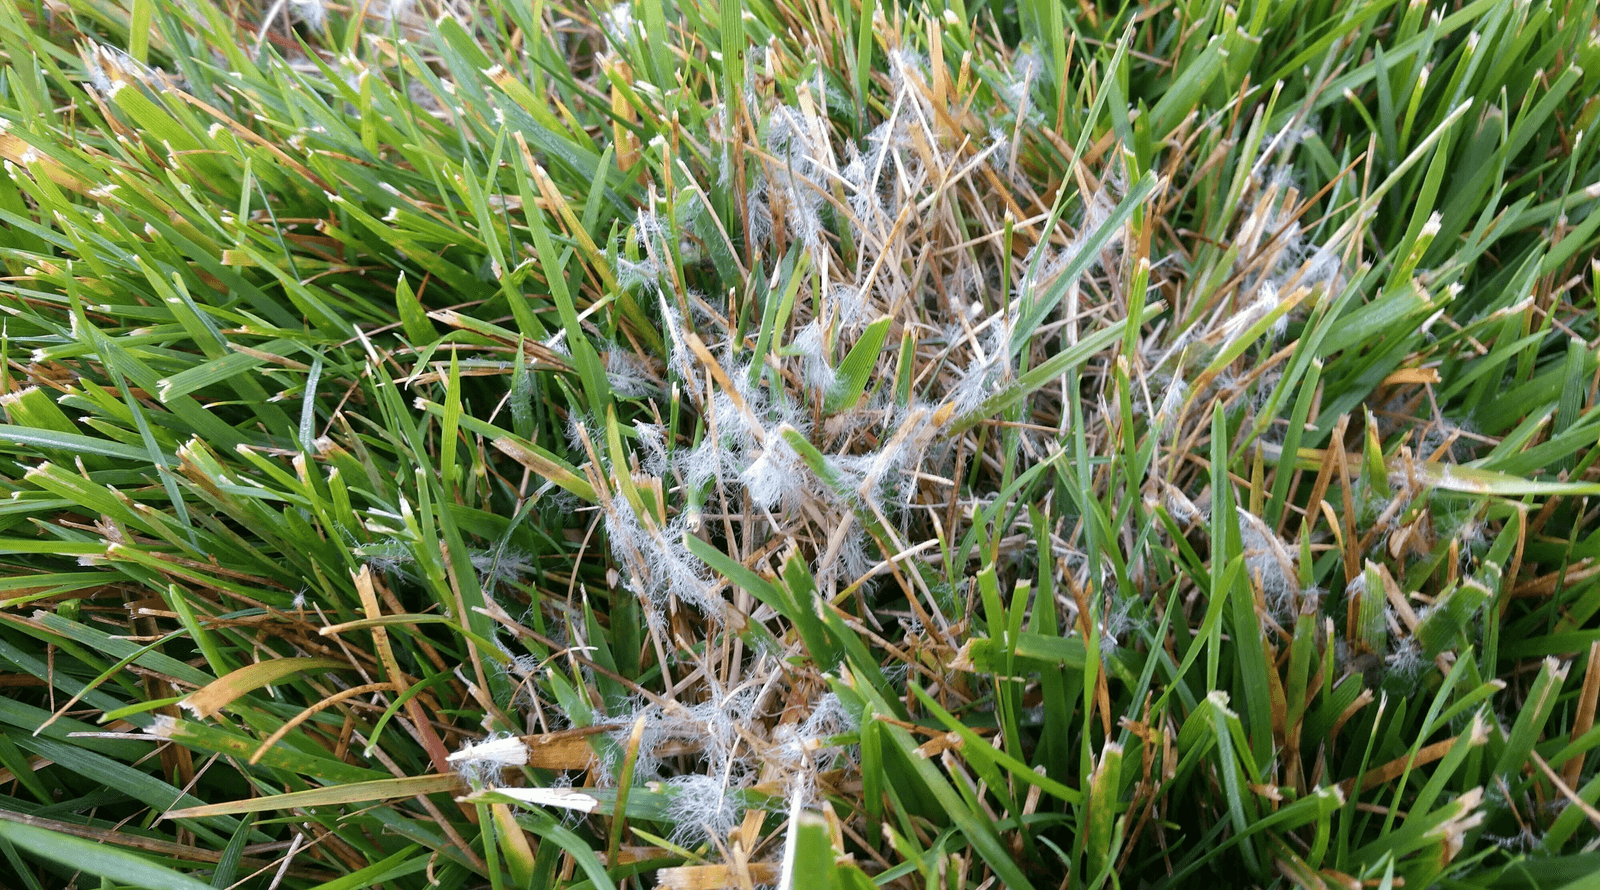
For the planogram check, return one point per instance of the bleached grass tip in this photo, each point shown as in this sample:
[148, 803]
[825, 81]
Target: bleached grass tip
[481, 762]
[557, 798]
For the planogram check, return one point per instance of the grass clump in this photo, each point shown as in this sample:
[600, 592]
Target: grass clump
[798, 444]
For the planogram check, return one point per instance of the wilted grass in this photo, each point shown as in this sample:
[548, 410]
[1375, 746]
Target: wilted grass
[812, 445]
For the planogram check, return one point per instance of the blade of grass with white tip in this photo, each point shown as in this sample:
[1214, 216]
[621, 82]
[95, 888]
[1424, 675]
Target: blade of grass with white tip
[1102, 839]
[1472, 480]
[293, 760]
[807, 854]
[1531, 718]
[215, 371]
[1233, 762]
[527, 453]
[31, 408]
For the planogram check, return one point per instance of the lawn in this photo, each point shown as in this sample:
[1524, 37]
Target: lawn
[805, 443]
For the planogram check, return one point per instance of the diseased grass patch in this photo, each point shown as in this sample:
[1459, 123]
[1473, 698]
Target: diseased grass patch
[806, 445]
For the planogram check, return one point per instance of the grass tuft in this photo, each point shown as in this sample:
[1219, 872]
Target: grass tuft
[798, 444]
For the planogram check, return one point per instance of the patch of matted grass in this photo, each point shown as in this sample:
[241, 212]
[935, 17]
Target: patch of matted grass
[812, 444]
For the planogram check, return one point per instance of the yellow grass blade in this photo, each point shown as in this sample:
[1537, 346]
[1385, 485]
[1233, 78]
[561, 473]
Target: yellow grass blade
[337, 795]
[218, 694]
